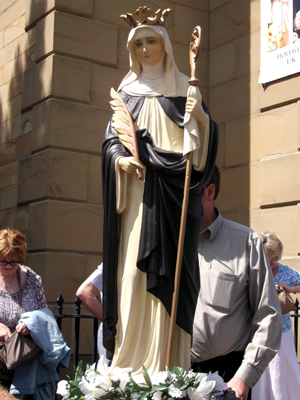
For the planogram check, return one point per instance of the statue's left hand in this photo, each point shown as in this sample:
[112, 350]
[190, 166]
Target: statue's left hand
[196, 110]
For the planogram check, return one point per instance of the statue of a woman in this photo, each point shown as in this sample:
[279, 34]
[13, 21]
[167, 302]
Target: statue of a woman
[142, 219]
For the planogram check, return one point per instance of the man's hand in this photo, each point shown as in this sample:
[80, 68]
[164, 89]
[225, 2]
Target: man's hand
[196, 110]
[240, 387]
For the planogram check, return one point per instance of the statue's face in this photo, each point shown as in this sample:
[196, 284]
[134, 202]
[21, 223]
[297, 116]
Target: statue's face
[149, 50]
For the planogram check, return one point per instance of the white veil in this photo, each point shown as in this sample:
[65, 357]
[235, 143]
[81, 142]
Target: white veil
[175, 83]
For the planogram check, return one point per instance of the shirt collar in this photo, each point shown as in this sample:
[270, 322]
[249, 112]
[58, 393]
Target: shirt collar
[213, 228]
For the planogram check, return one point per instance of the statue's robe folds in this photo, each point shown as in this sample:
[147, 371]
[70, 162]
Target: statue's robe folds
[141, 230]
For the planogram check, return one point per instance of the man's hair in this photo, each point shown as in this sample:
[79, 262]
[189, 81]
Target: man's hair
[216, 180]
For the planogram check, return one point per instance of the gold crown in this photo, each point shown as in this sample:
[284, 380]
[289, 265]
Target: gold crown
[144, 14]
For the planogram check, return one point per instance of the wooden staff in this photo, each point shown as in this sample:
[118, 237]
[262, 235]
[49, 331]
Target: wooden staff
[194, 52]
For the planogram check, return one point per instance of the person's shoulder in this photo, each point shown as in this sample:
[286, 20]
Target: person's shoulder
[239, 227]
[31, 275]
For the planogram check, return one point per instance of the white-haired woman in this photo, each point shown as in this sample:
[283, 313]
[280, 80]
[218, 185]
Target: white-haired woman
[141, 219]
[281, 379]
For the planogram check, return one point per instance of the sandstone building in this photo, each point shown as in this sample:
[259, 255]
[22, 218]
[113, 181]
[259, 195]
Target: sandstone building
[58, 61]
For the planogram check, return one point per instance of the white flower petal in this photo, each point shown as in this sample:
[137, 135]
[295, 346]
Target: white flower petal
[62, 389]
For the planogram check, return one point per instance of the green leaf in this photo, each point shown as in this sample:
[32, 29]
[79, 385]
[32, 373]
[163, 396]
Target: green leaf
[147, 377]
[155, 388]
[144, 395]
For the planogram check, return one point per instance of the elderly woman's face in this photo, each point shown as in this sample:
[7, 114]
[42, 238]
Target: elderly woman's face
[6, 269]
[149, 50]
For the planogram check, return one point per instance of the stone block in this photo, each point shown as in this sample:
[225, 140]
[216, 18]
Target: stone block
[273, 132]
[9, 174]
[247, 54]
[235, 59]
[12, 88]
[185, 19]
[103, 11]
[199, 5]
[14, 30]
[56, 76]
[36, 9]
[5, 4]
[279, 92]
[62, 273]
[232, 21]
[103, 79]
[1, 39]
[94, 190]
[123, 55]
[11, 108]
[23, 145]
[10, 129]
[240, 189]
[284, 221]
[9, 197]
[221, 149]
[75, 36]
[232, 100]
[221, 64]
[68, 226]
[279, 183]
[7, 153]
[16, 218]
[11, 13]
[53, 173]
[91, 262]
[291, 262]
[13, 70]
[213, 4]
[69, 125]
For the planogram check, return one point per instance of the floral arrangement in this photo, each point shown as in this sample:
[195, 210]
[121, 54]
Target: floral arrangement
[99, 382]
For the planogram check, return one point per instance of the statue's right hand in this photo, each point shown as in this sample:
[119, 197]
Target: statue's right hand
[129, 164]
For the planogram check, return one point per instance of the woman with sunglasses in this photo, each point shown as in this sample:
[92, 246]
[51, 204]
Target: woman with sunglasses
[15, 279]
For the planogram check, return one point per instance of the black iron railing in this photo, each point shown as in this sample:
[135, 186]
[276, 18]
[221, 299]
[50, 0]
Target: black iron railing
[296, 324]
[78, 317]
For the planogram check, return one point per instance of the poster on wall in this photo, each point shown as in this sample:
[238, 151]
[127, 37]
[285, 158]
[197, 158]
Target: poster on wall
[280, 39]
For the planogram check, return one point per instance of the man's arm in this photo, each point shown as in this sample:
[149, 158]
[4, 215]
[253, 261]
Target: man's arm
[267, 319]
[4, 395]
[87, 292]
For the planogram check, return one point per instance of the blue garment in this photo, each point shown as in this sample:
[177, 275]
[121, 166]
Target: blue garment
[292, 278]
[34, 376]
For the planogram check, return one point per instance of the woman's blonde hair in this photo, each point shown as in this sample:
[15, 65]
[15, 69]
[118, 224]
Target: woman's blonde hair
[12, 242]
[273, 245]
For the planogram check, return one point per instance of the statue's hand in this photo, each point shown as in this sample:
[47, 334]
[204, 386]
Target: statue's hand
[129, 164]
[196, 110]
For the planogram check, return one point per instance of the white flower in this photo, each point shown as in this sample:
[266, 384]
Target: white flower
[163, 377]
[102, 366]
[120, 375]
[220, 384]
[205, 387]
[90, 389]
[63, 389]
[157, 395]
[191, 374]
[174, 392]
